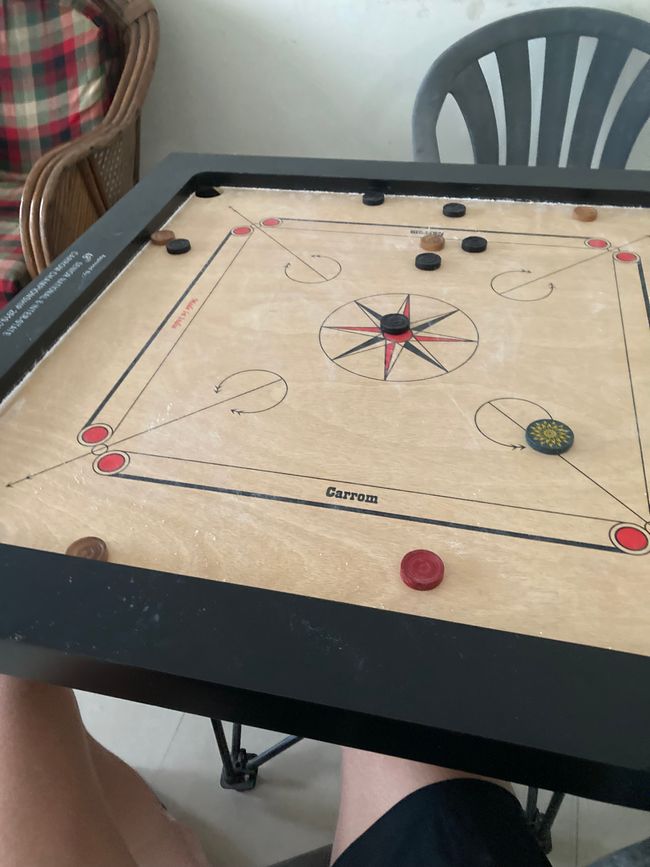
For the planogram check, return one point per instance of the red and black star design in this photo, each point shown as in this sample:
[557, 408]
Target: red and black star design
[396, 333]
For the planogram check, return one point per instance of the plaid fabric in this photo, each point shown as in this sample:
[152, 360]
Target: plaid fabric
[59, 65]
[13, 271]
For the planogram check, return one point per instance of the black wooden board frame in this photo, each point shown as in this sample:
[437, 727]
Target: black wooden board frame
[553, 714]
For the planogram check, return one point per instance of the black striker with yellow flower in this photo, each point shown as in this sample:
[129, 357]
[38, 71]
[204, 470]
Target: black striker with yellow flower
[549, 436]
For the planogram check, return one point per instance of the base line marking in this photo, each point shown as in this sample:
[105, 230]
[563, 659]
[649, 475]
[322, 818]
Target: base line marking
[356, 509]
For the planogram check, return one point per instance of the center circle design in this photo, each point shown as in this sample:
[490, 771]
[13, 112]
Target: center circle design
[399, 337]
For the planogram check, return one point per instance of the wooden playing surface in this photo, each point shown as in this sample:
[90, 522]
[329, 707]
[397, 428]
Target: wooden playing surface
[261, 429]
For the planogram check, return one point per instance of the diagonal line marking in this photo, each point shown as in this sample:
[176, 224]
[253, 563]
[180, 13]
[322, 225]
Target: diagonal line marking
[592, 258]
[196, 412]
[259, 228]
[181, 335]
[582, 473]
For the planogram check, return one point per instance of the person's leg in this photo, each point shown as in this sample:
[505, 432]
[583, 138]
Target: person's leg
[65, 801]
[153, 837]
[52, 811]
[371, 784]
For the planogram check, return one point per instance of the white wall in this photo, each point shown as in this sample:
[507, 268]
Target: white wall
[334, 78]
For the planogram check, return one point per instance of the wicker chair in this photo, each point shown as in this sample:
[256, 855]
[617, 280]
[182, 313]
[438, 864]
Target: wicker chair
[71, 186]
[68, 191]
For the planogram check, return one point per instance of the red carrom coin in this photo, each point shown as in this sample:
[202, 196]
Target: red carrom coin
[422, 570]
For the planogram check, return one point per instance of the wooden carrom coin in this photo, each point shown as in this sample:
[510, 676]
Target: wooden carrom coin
[90, 548]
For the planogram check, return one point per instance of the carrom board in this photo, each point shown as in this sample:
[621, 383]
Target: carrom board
[237, 417]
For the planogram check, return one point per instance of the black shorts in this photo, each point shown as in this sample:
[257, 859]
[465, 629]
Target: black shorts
[458, 823]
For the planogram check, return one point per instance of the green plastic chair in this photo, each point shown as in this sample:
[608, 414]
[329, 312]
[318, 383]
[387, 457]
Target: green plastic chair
[457, 72]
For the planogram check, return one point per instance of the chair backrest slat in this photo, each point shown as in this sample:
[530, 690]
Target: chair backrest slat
[514, 70]
[559, 64]
[606, 66]
[472, 94]
[628, 123]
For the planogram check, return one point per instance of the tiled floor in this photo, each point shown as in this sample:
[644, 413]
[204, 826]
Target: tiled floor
[293, 809]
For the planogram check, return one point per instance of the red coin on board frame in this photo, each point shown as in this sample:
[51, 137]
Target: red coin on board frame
[422, 570]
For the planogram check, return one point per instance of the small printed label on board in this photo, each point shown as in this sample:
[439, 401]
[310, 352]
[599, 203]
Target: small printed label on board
[351, 496]
[35, 296]
[181, 318]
